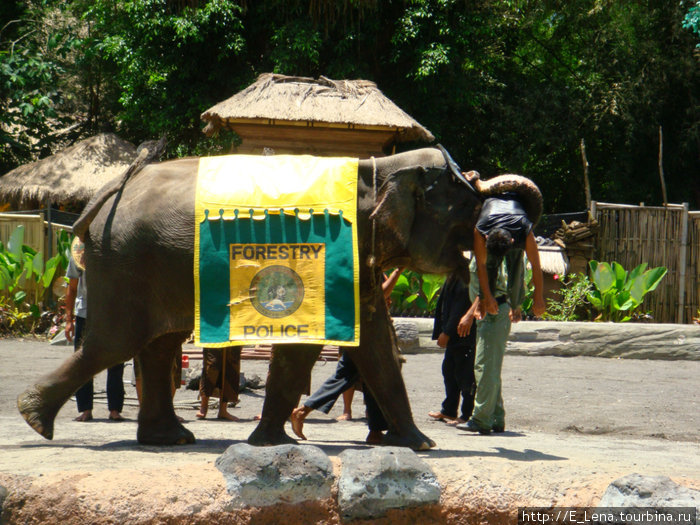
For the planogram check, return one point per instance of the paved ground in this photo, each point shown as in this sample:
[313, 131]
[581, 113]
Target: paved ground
[573, 426]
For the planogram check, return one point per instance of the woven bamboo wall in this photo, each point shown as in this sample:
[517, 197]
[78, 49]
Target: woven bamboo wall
[692, 294]
[632, 235]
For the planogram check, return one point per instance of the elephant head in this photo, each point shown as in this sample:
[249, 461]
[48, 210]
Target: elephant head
[415, 212]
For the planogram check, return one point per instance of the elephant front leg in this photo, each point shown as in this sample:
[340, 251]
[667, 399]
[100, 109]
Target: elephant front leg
[158, 423]
[287, 378]
[377, 361]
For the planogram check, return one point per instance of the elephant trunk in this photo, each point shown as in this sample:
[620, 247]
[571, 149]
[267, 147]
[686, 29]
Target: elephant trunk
[529, 193]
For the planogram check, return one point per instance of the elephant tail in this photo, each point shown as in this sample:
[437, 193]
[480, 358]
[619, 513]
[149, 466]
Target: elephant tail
[147, 153]
[526, 189]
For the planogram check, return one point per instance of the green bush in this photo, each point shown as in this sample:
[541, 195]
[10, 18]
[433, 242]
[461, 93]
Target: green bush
[24, 280]
[618, 293]
[573, 303]
[416, 294]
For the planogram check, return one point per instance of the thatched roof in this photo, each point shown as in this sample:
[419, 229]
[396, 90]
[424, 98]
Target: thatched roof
[553, 260]
[70, 176]
[321, 102]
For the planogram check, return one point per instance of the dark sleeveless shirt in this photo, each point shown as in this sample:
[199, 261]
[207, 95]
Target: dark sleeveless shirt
[505, 212]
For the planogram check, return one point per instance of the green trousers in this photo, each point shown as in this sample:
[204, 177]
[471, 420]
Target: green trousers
[491, 336]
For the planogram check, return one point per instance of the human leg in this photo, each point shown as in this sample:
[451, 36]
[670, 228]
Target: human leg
[85, 394]
[347, 405]
[450, 372]
[115, 391]
[467, 385]
[375, 420]
[323, 399]
[492, 334]
[229, 380]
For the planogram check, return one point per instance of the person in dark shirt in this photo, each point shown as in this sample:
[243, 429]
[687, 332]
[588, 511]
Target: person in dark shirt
[458, 362]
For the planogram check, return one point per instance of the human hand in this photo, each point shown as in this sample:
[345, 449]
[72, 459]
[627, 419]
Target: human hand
[488, 305]
[70, 329]
[465, 325]
[538, 307]
[442, 340]
[516, 315]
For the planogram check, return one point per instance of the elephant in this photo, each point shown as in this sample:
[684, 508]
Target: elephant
[414, 210]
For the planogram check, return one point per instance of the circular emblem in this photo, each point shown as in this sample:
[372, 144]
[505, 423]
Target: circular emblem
[276, 291]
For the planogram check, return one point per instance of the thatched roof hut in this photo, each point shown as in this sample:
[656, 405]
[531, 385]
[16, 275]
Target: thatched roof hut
[68, 178]
[317, 116]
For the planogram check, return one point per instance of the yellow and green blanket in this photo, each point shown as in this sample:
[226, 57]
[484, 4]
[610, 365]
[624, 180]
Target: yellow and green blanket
[276, 257]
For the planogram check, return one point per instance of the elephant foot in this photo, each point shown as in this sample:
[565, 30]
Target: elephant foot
[414, 440]
[35, 413]
[164, 433]
[265, 436]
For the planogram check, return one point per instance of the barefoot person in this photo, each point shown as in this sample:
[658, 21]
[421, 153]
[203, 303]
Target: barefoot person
[344, 380]
[221, 369]
[76, 314]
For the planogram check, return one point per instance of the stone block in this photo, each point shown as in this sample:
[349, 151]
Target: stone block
[376, 480]
[263, 476]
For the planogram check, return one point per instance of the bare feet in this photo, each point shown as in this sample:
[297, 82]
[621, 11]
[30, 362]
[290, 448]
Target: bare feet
[346, 416]
[457, 421]
[114, 415]
[224, 415]
[203, 407]
[440, 416]
[375, 437]
[85, 416]
[257, 417]
[298, 416]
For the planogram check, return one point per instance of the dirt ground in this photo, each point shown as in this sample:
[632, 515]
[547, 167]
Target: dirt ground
[573, 425]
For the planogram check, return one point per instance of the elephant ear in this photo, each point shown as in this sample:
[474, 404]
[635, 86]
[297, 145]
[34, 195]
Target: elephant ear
[396, 202]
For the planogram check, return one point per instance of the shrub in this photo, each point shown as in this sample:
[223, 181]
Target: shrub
[618, 293]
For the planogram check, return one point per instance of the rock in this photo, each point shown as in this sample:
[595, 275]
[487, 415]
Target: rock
[263, 476]
[624, 340]
[407, 333]
[376, 480]
[635, 491]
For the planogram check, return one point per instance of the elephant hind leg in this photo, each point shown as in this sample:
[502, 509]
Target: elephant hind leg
[157, 422]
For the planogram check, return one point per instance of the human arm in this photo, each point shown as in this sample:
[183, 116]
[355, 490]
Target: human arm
[390, 282]
[71, 294]
[488, 304]
[465, 323]
[533, 255]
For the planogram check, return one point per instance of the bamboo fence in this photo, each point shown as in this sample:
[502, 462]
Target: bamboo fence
[660, 236]
[35, 231]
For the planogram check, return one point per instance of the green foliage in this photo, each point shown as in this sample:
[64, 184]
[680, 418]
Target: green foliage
[574, 293]
[24, 279]
[506, 86]
[416, 294]
[692, 19]
[29, 91]
[169, 64]
[618, 293]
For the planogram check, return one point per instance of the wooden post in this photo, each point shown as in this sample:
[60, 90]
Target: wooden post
[586, 184]
[661, 165]
[682, 263]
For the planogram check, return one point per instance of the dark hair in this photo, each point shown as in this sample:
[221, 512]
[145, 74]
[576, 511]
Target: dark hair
[498, 242]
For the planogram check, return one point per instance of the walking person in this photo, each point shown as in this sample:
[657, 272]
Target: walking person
[76, 315]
